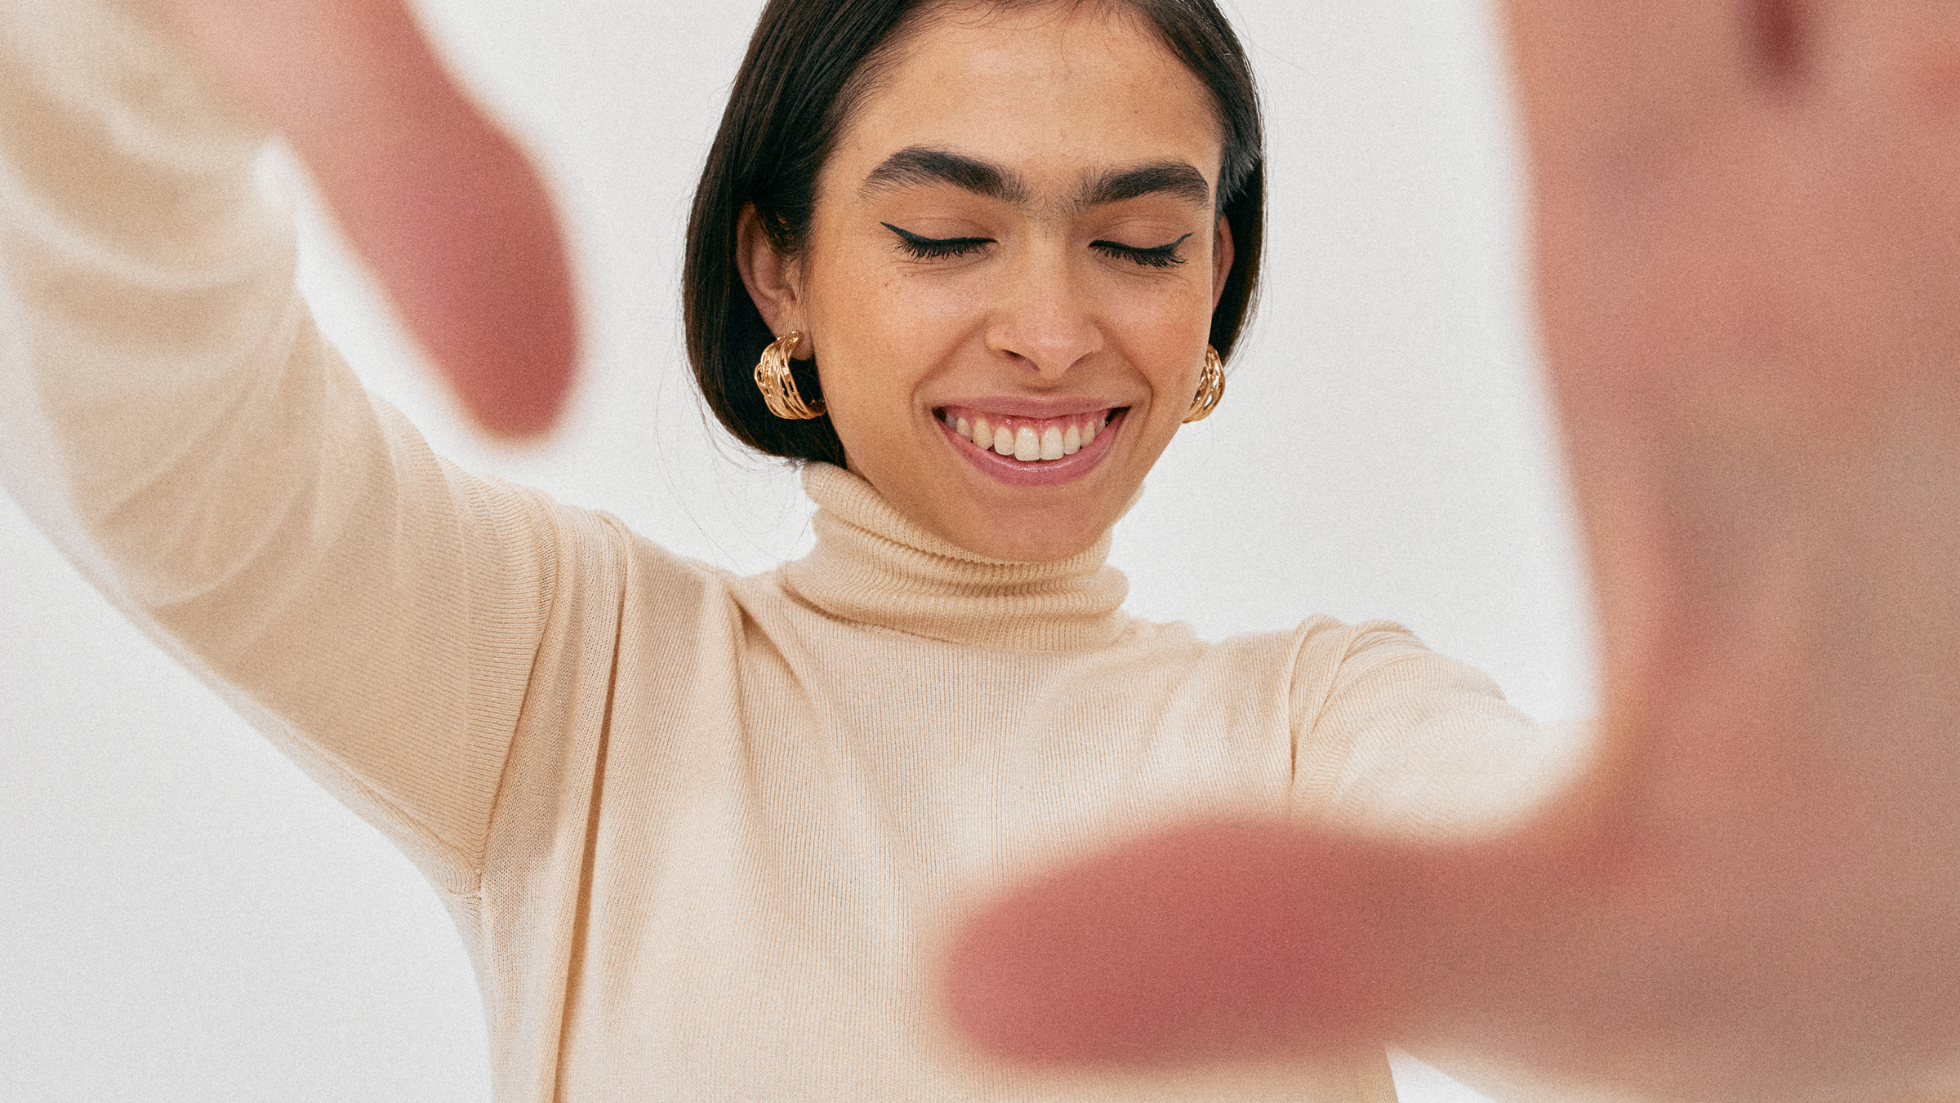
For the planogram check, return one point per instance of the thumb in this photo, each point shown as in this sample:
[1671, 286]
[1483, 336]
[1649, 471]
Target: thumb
[448, 212]
[1244, 939]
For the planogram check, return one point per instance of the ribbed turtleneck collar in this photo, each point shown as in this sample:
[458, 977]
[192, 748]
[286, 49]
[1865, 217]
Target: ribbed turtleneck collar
[874, 566]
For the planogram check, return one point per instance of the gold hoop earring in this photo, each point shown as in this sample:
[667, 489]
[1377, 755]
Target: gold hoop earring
[1211, 387]
[778, 386]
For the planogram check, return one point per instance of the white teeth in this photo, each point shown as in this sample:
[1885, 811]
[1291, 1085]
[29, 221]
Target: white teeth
[1026, 443]
[1051, 444]
[1027, 446]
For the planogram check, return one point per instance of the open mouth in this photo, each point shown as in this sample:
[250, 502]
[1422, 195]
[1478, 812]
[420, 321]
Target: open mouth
[1028, 440]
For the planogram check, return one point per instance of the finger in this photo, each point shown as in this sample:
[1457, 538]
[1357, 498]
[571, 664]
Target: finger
[1737, 193]
[448, 212]
[1256, 939]
[1182, 947]
[1593, 960]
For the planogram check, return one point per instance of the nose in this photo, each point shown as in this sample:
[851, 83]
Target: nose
[1043, 317]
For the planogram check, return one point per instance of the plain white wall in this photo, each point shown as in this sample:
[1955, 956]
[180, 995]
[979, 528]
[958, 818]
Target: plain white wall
[184, 917]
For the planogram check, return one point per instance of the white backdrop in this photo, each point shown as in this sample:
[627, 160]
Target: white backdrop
[184, 917]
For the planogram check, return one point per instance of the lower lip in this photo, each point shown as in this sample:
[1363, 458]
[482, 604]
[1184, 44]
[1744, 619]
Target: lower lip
[1013, 472]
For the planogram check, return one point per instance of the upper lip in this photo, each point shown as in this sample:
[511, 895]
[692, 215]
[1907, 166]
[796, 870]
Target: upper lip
[1035, 406]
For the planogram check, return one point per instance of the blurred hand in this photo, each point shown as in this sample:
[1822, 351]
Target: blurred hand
[450, 215]
[1747, 219]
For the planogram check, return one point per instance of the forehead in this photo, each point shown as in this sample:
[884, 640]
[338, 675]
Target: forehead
[1059, 93]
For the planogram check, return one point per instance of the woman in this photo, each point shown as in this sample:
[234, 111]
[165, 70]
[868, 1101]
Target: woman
[784, 861]
[542, 903]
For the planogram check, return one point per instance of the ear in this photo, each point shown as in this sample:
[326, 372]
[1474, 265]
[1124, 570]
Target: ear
[771, 278]
[1221, 260]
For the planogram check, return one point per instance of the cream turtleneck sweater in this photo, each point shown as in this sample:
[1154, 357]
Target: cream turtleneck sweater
[696, 830]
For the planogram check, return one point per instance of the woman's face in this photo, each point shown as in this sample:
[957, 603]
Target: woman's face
[1015, 250]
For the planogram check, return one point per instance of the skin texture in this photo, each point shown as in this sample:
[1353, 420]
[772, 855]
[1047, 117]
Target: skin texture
[1747, 238]
[1038, 314]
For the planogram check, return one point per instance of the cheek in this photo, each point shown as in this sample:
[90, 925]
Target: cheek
[1165, 333]
[876, 342]
[1172, 305]
[892, 325]
[1173, 321]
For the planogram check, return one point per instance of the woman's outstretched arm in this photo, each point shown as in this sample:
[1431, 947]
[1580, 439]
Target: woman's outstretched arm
[170, 415]
[1748, 256]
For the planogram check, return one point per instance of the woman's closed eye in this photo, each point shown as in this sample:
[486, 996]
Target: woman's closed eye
[931, 248]
[937, 248]
[1155, 256]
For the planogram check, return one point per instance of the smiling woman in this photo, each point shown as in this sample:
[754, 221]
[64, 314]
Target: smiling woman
[704, 834]
[1005, 229]
[800, 99]
[700, 831]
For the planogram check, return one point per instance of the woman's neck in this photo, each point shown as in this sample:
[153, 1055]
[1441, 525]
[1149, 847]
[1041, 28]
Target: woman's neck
[874, 566]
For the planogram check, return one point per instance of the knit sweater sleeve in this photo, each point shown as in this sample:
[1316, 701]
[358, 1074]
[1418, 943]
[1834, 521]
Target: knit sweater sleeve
[170, 416]
[1392, 737]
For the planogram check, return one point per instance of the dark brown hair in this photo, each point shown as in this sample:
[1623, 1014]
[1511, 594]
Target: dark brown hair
[809, 63]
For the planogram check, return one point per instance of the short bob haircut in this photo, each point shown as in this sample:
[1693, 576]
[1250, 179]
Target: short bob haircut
[809, 63]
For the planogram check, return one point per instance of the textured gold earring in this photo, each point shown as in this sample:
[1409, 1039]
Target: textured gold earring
[1211, 387]
[778, 386]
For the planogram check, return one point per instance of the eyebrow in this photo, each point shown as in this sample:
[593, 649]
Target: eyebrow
[1174, 178]
[916, 165]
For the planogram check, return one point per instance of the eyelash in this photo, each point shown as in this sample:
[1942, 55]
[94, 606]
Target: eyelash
[928, 248]
[1157, 256]
[934, 248]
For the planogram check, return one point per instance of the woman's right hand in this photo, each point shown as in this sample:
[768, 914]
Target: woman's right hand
[1747, 234]
[451, 215]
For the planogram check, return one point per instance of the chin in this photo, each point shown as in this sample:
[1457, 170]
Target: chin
[1028, 539]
